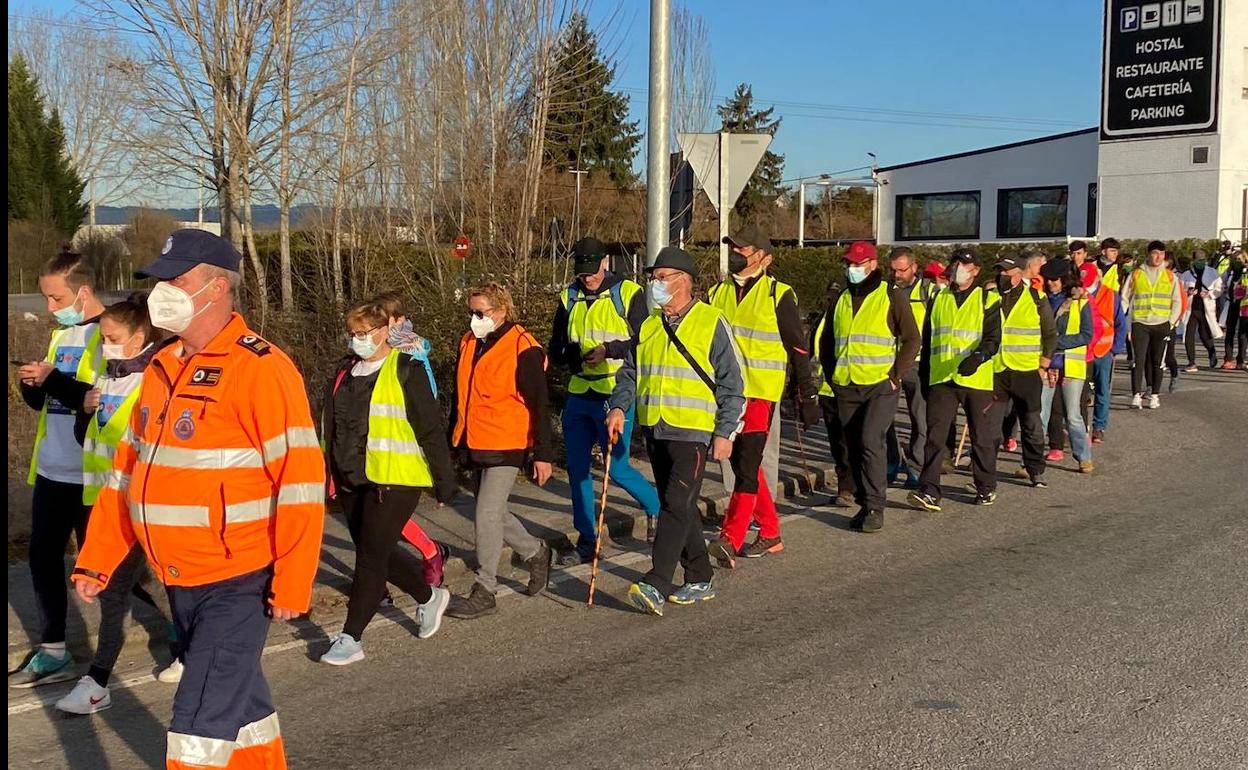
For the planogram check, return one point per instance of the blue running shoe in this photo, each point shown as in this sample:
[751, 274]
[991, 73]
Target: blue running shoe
[692, 593]
[43, 668]
[646, 598]
[344, 651]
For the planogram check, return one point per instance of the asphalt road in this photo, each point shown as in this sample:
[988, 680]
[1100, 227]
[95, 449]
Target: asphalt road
[1101, 623]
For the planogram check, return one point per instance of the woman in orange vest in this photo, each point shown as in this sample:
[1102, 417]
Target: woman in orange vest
[501, 424]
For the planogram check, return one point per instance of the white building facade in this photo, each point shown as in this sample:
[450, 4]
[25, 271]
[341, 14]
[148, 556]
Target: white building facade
[1169, 160]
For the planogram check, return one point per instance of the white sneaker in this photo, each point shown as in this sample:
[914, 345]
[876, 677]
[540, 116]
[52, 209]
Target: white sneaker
[1137, 401]
[172, 674]
[344, 651]
[87, 697]
[1154, 401]
[429, 615]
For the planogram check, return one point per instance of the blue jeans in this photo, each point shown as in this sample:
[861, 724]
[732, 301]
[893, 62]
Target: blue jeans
[1102, 377]
[584, 424]
[1072, 390]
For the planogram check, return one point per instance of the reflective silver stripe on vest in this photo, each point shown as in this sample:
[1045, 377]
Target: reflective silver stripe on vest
[965, 334]
[1019, 331]
[760, 363]
[681, 373]
[252, 510]
[170, 515]
[1020, 348]
[887, 359]
[293, 438]
[656, 401]
[387, 410]
[117, 480]
[871, 339]
[393, 445]
[757, 334]
[306, 492]
[179, 457]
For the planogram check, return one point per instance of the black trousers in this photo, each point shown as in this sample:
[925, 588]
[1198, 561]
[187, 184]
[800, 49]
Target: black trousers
[1198, 326]
[375, 518]
[845, 486]
[56, 513]
[1149, 343]
[1234, 325]
[678, 468]
[866, 412]
[943, 401]
[1019, 393]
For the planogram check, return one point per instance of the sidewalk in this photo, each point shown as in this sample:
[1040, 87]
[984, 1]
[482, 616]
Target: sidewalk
[547, 513]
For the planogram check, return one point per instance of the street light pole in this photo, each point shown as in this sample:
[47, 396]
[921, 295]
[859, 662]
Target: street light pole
[801, 213]
[658, 129]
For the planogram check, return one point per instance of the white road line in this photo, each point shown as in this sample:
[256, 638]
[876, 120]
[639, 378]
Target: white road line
[622, 559]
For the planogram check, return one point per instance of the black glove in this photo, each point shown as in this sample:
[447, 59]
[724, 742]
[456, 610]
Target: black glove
[970, 364]
[572, 354]
[808, 412]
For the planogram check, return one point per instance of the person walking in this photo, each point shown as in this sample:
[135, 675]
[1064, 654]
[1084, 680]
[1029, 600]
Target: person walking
[1108, 264]
[220, 478]
[403, 338]
[128, 343]
[1241, 296]
[385, 441]
[1153, 294]
[1028, 341]
[960, 339]
[1110, 340]
[56, 387]
[1068, 369]
[866, 351]
[920, 293]
[684, 375]
[598, 317]
[501, 424]
[1231, 278]
[767, 326]
[845, 487]
[1203, 285]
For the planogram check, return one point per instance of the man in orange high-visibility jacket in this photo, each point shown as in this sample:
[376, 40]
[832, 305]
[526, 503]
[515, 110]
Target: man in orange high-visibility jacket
[220, 477]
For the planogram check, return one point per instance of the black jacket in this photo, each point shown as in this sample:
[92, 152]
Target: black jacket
[422, 412]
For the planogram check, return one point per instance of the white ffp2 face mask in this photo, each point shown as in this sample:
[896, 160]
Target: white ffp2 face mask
[962, 275]
[481, 327]
[171, 308]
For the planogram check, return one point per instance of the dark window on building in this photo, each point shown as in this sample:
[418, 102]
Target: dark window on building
[1032, 212]
[938, 216]
[1092, 228]
[1200, 155]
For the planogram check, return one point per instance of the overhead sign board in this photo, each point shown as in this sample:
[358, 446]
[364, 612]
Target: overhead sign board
[1161, 68]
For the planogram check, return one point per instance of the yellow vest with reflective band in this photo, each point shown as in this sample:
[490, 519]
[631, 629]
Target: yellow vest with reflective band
[919, 294]
[1150, 302]
[757, 331]
[816, 367]
[956, 332]
[1075, 364]
[592, 323]
[100, 444]
[1020, 336]
[866, 348]
[668, 388]
[1111, 277]
[90, 367]
[393, 455]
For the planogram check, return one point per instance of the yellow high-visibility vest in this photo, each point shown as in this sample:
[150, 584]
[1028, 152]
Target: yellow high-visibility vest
[392, 454]
[757, 331]
[1075, 365]
[866, 348]
[816, 366]
[956, 332]
[90, 367]
[1150, 302]
[593, 322]
[668, 387]
[1020, 336]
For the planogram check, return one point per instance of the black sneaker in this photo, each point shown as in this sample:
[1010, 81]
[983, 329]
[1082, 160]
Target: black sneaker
[873, 522]
[924, 502]
[652, 528]
[478, 603]
[985, 498]
[539, 570]
[856, 522]
[1038, 481]
[762, 546]
[723, 553]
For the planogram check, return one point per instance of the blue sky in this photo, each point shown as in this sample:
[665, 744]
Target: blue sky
[848, 77]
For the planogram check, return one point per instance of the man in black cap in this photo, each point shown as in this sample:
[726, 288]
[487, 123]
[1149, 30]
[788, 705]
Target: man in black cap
[1028, 341]
[221, 479]
[684, 376]
[767, 325]
[596, 323]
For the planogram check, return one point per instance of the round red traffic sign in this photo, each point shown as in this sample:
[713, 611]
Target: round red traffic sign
[462, 246]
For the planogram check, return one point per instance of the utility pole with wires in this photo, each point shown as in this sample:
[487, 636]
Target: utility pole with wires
[658, 220]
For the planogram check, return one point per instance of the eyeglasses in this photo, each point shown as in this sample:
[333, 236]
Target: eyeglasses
[480, 314]
[364, 335]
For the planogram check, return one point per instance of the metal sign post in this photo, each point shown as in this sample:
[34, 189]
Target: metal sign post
[722, 165]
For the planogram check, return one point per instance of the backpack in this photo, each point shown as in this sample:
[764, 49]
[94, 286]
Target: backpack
[616, 293]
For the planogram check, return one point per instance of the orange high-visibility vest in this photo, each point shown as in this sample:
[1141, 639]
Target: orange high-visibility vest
[490, 413]
[1103, 307]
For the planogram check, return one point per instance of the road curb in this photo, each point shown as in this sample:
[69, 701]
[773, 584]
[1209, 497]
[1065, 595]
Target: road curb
[329, 595]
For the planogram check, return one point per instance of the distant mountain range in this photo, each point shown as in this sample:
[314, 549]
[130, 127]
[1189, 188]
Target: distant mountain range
[265, 216]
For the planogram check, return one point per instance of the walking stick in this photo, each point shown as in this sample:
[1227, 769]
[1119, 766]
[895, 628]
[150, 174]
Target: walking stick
[801, 446]
[957, 456]
[602, 514]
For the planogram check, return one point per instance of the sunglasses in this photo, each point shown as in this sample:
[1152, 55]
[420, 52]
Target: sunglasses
[479, 314]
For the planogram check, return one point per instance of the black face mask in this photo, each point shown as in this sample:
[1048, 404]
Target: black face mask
[737, 262]
[1004, 284]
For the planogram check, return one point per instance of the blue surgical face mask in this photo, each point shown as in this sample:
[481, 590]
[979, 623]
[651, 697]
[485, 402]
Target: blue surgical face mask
[856, 273]
[364, 348]
[659, 293]
[70, 315]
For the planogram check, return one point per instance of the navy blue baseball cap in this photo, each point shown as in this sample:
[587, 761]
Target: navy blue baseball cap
[187, 248]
